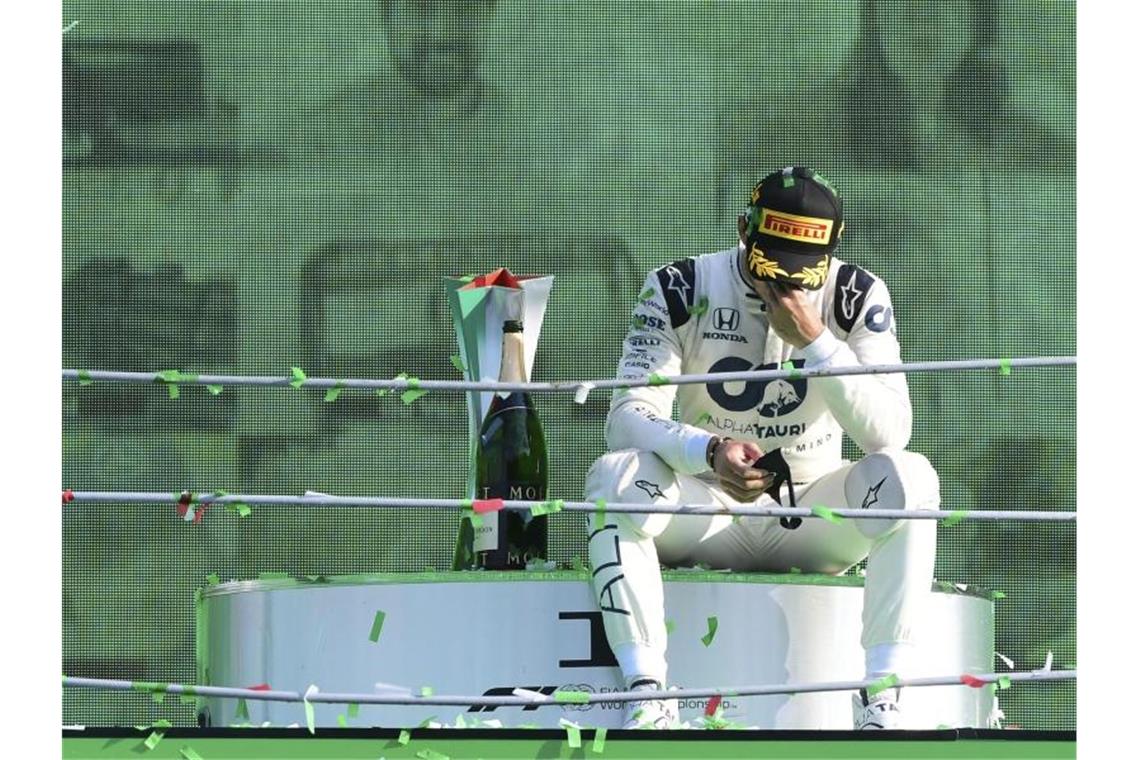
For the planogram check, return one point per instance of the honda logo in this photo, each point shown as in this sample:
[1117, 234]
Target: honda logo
[726, 319]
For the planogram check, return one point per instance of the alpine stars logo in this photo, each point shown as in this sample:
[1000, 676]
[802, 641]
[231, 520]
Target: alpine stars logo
[850, 297]
[678, 283]
[872, 496]
[652, 489]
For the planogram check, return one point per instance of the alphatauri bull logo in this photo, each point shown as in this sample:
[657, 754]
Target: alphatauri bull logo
[779, 397]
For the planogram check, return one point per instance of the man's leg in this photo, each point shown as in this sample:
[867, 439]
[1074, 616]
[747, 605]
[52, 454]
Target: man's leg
[624, 552]
[901, 553]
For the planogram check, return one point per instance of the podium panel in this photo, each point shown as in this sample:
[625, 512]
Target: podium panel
[476, 633]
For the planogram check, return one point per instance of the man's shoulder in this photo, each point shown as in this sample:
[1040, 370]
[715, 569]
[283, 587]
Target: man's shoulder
[852, 289]
[680, 283]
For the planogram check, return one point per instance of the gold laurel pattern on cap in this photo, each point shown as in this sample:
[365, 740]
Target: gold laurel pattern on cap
[813, 277]
[763, 267]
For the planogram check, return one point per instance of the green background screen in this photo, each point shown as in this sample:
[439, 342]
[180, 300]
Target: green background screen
[250, 186]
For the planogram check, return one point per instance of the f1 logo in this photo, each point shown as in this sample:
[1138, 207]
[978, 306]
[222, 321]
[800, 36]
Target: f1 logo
[726, 319]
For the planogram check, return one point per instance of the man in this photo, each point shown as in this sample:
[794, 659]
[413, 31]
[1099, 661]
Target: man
[428, 102]
[779, 296]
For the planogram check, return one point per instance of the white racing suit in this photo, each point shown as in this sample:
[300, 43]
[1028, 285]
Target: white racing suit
[700, 315]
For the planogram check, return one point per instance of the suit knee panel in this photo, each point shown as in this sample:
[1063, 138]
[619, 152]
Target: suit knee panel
[893, 479]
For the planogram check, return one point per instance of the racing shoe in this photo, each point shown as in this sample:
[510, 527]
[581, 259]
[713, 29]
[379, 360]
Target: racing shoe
[650, 713]
[879, 712]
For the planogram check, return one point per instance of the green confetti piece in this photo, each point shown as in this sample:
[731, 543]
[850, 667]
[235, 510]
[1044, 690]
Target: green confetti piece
[167, 376]
[789, 181]
[411, 395]
[646, 295]
[576, 697]
[353, 709]
[299, 377]
[638, 321]
[342, 721]
[212, 579]
[600, 512]
[153, 740]
[882, 684]
[172, 390]
[599, 745]
[821, 511]
[701, 307]
[405, 737]
[85, 377]
[656, 379]
[188, 753]
[476, 519]
[957, 516]
[1004, 682]
[148, 686]
[574, 736]
[457, 362]
[999, 595]
[158, 697]
[670, 626]
[706, 417]
[377, 624]
[310, 717]
[426, 691]
[240, 508]
[546, 507]
[242, 713]
[577, 564]
[1004, 366]
[708, 637]
[215, 390]
[791, 368]
[431, 754]
[333, 393]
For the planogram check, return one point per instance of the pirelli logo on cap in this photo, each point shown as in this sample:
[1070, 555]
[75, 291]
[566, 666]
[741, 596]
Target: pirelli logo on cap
[807, 229]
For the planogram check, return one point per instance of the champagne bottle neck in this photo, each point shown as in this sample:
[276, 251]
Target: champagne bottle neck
[512, 368]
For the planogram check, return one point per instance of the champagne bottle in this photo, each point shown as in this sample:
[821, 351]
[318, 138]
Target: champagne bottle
[510, 464]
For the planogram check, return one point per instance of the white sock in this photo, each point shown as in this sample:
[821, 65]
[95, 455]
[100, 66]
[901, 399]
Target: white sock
[639, 661]
[895, 657]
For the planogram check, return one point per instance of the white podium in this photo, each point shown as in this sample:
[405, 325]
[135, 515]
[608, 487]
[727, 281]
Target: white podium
[475, 633]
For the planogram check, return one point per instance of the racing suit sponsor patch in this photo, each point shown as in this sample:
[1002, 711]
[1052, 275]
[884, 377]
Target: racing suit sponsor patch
[851, 289]
[679, 285]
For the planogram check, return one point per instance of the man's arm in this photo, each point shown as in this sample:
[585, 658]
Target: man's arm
[641, 418]
[874, 410]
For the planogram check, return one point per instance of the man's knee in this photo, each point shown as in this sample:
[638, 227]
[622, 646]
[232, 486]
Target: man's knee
[635, 476]
[891, 479]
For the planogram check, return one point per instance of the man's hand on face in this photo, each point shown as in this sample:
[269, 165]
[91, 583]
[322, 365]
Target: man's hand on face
[733, 466]
[791, 315]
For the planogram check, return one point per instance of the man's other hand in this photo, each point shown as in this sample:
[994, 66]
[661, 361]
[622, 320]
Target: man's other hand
[733, 467]
[791, 315]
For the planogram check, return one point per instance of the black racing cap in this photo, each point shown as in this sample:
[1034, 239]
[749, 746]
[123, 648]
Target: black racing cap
[794, 222]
